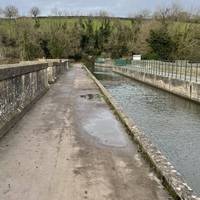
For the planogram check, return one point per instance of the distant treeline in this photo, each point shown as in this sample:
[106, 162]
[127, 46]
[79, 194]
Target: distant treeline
[149, 18]
[168, 34]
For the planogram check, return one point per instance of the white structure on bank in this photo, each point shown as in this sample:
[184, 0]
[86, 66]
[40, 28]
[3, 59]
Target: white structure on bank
[137, 57]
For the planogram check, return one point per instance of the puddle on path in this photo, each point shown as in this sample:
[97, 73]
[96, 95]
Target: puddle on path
[104, 126]
[90, 96]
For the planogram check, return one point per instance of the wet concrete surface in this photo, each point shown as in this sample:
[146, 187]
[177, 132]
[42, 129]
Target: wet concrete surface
[172, 123]
[71, 146]
[98, 125]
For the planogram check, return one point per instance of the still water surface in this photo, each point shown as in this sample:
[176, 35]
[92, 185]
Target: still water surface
[171, 123]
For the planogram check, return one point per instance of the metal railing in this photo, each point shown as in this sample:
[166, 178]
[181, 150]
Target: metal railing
[183, 70]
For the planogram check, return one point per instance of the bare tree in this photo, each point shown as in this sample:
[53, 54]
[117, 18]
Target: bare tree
[56, 12]
[184, 16]
[196, 15]
[175, 11]
[143, 14]
[35, 11]
[11, 12]
[103, 13]
[162, 14]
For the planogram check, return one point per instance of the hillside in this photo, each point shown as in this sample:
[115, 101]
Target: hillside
[28, 38]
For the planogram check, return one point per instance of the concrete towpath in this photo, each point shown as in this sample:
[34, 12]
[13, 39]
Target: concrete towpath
[70, 146]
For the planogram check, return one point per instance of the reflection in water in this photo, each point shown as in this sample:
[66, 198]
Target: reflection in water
[172, 123]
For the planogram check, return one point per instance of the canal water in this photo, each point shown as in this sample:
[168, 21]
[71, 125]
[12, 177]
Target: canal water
[171, 123]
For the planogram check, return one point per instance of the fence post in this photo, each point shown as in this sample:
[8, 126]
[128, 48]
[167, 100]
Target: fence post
[157, 70]
[186, 71]
[146, 66]
[190, 72]
[156, 67]
[163, 69]
[163, 72]
[160, 67]
[181, 69]
[196, 72]
[149, 63]
[176, 64]
[142, 65]
[168, 68]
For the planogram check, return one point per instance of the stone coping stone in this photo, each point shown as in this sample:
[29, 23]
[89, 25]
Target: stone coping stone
[13, 70]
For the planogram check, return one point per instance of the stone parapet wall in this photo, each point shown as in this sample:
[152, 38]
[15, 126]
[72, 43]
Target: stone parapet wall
[21, 85]
[55, 69]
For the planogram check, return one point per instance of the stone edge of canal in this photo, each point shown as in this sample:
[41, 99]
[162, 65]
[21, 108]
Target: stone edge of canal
[169, 176]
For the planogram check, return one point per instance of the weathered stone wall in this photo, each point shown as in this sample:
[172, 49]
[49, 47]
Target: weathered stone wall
[21, 85]
[186, 89]
[55, 69]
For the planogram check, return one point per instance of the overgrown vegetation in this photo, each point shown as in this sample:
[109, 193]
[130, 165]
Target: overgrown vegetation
[168, 34]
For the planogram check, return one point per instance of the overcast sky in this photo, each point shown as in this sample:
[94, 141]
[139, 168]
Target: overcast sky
[116, 7]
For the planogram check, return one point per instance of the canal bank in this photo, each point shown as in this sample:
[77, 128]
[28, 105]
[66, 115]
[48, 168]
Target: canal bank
[167, 173]
[184, 88]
